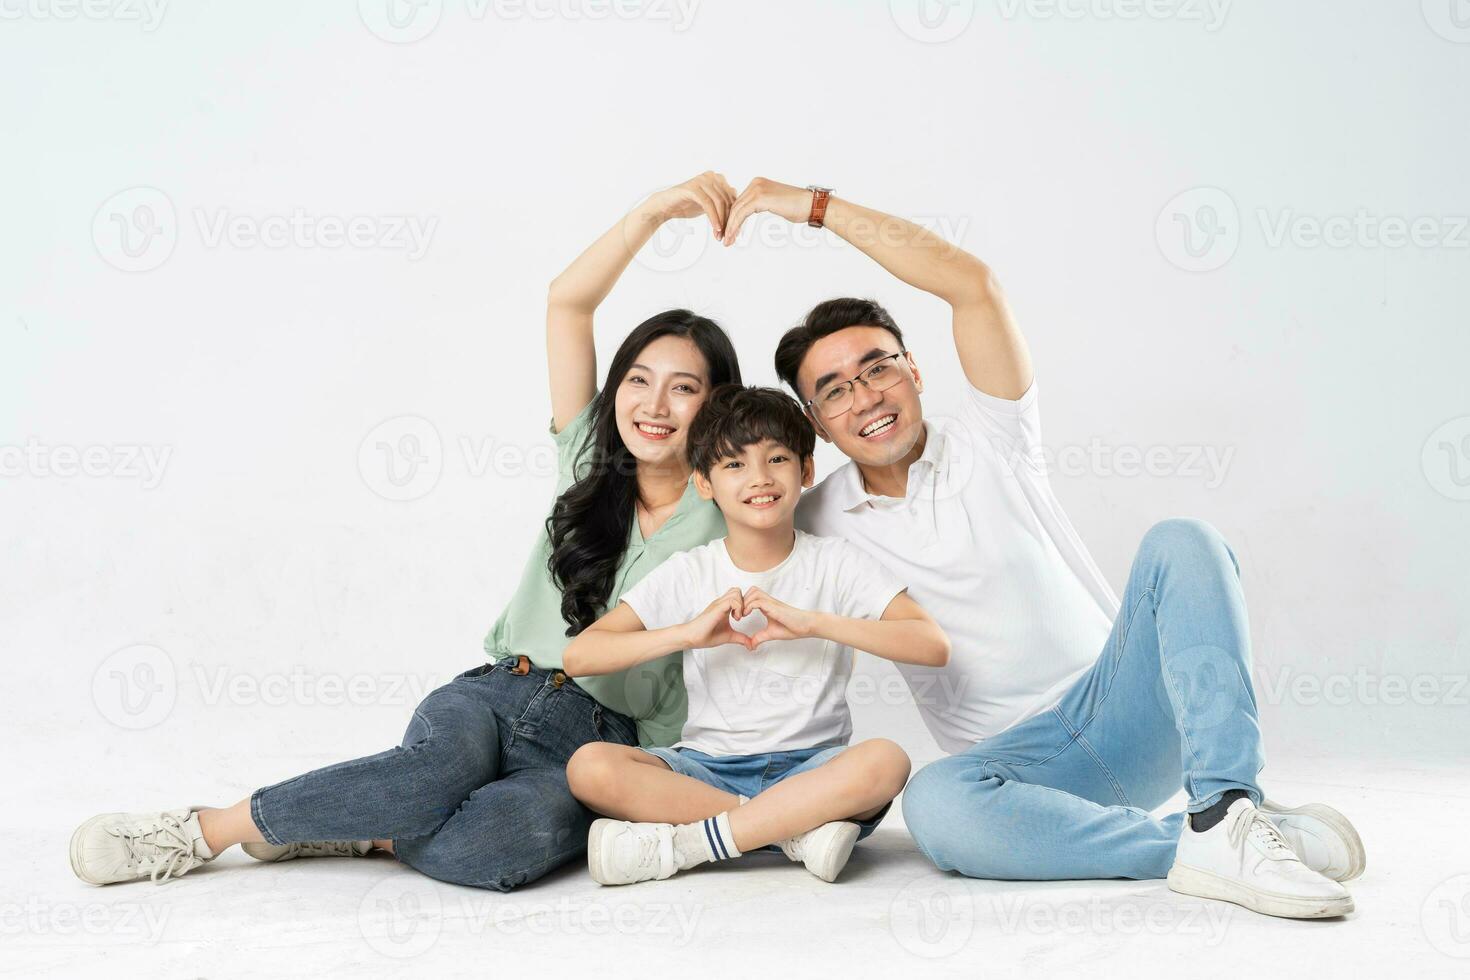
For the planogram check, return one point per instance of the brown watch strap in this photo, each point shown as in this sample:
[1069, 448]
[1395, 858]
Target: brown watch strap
[819, 207]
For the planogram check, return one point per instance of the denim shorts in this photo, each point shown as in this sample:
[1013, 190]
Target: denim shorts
[749, 775]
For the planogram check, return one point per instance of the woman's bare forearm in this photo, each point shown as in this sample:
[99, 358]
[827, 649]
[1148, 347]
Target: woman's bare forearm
[597, 651]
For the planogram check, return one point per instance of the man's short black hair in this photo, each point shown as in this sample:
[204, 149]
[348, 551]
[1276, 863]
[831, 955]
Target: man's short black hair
[734, 417]
[828, 318]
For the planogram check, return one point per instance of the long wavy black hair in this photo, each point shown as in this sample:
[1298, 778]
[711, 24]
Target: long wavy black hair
[591, 521]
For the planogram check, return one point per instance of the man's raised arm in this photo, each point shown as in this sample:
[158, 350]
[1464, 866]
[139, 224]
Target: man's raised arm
[991, 349]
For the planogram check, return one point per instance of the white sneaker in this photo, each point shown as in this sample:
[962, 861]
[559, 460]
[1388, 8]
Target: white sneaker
[113, 847]
[620, 852]
[824, 850]
[308, 849]
[1323, 838]
[1244, 859]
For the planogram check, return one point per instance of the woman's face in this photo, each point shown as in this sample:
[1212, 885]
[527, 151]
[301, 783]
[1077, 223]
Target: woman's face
[659, 397]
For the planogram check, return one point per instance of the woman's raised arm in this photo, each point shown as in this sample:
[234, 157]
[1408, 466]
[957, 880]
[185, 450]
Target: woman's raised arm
[575, 294]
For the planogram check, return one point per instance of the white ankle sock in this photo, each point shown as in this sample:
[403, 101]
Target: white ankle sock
[706, 840]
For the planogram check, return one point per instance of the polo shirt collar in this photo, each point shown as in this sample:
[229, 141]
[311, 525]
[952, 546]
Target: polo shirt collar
[924, 468]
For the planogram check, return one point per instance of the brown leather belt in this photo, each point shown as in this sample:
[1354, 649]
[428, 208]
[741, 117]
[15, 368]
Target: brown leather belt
[523, 667]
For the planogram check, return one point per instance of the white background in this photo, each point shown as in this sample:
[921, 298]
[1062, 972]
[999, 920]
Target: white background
[260, 569]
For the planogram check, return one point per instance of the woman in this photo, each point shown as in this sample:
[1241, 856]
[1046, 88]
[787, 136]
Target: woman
[476, 794]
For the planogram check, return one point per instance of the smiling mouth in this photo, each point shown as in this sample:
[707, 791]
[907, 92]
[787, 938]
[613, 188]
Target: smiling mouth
[879, 426]
[763, 500]
[650, 431]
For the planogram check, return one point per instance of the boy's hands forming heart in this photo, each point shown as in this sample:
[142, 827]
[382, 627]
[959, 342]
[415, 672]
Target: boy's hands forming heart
[783, 622]
[712, 628]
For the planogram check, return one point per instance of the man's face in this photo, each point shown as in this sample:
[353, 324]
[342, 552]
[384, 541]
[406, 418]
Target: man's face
[759, 487]
[880, 427]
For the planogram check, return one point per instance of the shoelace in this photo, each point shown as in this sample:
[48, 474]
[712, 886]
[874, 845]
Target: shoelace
[1255, 823]
[170, 858]
[656, 851]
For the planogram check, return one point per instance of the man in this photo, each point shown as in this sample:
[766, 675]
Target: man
[1060, 751]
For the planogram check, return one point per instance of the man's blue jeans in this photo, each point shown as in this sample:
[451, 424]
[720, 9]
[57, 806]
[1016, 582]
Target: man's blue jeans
[1066, 793]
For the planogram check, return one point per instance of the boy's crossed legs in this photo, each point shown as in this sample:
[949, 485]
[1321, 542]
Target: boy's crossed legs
[674, 809]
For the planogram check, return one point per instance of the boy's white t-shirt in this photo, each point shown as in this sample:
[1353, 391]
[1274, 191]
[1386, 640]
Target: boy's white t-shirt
[785, 694]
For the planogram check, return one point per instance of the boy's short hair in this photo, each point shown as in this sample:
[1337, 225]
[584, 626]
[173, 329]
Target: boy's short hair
[828, 318]
[734, 417]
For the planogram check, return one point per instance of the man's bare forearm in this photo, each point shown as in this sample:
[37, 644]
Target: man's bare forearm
[909, 251]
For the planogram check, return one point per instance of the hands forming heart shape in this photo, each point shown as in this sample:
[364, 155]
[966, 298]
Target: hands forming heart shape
[717, 624]
[712, 195]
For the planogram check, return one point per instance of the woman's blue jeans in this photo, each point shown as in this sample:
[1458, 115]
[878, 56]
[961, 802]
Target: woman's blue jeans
[476, 794]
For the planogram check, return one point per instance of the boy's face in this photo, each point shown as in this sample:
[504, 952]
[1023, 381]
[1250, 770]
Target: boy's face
[758, 488]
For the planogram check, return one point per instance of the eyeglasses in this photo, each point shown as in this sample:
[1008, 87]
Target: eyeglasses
[836, 399]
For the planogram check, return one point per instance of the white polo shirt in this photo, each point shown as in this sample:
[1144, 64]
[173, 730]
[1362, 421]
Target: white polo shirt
[984, 546]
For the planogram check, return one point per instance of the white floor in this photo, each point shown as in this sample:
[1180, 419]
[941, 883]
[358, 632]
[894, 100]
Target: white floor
[889, 914]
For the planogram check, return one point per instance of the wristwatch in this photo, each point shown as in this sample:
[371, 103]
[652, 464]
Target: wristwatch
[819, 204]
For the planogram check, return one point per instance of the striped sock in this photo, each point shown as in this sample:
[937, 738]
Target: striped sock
[706, 840]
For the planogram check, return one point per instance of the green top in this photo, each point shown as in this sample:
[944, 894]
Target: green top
[652, 693]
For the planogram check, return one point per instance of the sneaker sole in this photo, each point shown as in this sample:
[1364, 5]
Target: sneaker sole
[1339, 824]
[834, 857]
[74, 850]
[1204, 884]
[268, 853]
[595, 835]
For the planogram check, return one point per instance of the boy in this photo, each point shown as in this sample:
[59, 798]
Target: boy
[763, 758]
